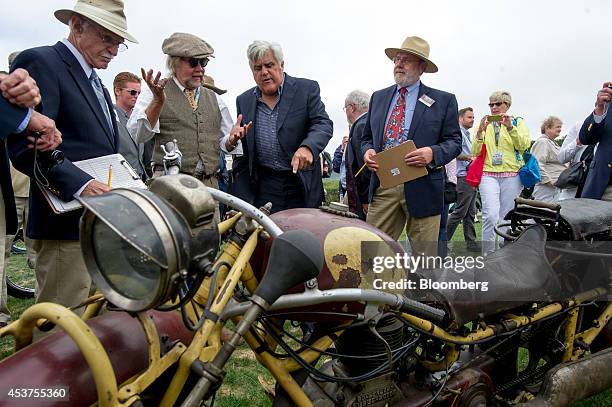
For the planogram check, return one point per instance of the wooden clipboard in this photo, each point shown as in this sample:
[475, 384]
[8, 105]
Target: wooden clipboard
[393, 170]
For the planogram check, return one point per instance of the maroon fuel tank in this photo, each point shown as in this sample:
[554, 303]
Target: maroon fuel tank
[345, 265]
[57, 361]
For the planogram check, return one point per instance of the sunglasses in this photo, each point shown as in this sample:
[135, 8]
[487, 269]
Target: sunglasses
[496, 104]
[193, 62]
[132, 92]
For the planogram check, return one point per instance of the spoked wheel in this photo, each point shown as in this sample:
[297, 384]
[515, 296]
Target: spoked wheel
[23, 287]
[20, 282]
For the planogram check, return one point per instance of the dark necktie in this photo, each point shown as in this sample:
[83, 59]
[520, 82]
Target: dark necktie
[97, 86]
[395, 125]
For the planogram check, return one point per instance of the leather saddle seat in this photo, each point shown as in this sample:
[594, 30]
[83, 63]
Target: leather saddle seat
[516, 274]
[586, 216]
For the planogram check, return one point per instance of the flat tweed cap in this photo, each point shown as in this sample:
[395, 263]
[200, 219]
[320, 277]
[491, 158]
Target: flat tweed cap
[187, 45]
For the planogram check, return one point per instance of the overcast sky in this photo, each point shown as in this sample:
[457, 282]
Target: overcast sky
[552, 56]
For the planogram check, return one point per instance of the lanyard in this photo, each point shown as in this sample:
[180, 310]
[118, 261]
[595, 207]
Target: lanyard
[496, 130]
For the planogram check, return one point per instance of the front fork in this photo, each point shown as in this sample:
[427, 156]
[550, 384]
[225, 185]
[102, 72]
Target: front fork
[239, 260]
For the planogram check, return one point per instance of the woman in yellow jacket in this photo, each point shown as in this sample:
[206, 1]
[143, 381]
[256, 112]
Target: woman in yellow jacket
[504, 136]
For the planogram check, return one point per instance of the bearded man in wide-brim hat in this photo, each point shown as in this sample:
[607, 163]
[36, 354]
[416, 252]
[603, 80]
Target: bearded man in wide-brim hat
[409, 110]
[73, 96]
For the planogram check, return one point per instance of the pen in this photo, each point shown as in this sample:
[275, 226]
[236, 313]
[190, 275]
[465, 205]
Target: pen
[110, 174]
[361, 169]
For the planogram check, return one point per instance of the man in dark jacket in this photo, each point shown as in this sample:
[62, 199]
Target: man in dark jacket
[356, 178]
[19, 95]
[285, 127]
[409, 110]
[72, 95]
[597, 128]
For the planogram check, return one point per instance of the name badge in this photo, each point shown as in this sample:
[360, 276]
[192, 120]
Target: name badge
[426, 100]
[497, 158]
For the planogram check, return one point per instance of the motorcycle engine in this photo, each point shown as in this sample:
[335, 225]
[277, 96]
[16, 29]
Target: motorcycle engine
[378, 390]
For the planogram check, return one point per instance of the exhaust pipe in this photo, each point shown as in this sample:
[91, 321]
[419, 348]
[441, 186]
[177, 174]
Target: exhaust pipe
[574, 381]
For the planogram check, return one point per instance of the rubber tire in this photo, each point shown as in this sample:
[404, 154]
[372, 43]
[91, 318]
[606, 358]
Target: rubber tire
[17, 291]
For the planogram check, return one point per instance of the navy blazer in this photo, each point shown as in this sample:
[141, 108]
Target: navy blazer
[11, 117]
[436, 126]
[69, 99]
[302, 121]
[598, 177]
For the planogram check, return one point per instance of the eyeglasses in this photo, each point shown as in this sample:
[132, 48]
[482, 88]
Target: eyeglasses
[193, 62]
[496, 104]
[107, 40]
[405, 60]
[132, 92]
[345, 108]
[111, 42]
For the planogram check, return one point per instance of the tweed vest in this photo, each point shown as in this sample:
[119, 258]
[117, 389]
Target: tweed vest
[196, 132]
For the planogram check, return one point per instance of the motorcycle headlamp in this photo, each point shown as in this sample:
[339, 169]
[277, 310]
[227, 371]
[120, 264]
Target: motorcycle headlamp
[146, 248]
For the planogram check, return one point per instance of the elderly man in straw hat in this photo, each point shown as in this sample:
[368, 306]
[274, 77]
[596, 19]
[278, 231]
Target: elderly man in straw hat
[181, 108]
[409, 110]
[72, 95]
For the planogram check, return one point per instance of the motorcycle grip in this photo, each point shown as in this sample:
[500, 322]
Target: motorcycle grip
[418, 309]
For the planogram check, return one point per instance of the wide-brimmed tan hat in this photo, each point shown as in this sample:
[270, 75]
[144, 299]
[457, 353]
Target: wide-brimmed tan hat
[209, 83]
[187, 46]
[416, 46]
[107, 13]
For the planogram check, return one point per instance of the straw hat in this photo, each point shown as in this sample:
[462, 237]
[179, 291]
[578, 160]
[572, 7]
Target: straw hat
[209, 83]
[107, 13]
[416, 46]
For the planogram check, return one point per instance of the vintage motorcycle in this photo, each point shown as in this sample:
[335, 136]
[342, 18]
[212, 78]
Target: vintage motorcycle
[300, 287]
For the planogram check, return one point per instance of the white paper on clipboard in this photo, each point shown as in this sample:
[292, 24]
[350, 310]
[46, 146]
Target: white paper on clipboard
[123, 176]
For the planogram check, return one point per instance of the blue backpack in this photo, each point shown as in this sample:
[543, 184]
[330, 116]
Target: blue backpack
[530, 171]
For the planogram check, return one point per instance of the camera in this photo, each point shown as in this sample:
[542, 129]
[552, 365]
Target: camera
[48, 161]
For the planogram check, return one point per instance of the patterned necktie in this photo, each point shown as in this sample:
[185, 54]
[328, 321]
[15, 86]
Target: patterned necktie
[395, 126]
[190, 94]
[97, 87]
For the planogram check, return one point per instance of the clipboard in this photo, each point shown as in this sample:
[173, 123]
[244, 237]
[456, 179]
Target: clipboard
[124, 176]
[393, 170]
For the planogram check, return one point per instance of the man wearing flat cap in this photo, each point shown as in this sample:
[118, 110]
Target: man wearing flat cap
[285, 127]
[181, 108]
[73, 96]
[409, 110]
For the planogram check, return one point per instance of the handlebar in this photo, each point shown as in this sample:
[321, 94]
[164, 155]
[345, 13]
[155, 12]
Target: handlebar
[248, 210]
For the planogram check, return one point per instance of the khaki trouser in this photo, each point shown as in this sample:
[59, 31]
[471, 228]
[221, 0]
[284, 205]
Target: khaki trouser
[61, 274]
[5, 315]
[389, 213]
[607, 195]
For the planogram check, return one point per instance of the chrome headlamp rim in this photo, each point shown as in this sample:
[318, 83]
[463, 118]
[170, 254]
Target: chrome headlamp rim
[162, 226]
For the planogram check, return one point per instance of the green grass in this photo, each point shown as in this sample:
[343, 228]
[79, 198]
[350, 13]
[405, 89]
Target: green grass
[246, 380]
